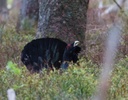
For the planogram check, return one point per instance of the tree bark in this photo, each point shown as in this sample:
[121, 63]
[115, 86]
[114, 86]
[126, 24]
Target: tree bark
[3, 11]
[30, 9]
[28, 13]
[3, 16]
[63, 18]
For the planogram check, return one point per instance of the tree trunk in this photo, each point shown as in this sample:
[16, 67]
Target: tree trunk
[28, 14]
[3, 11]
[30, 9]
[62, 18]
[3, 16]
[65, 19]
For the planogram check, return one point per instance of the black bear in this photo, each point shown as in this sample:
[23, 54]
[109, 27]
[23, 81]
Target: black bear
[49, 53]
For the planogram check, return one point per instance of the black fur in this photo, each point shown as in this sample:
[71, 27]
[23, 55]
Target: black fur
[48, 53]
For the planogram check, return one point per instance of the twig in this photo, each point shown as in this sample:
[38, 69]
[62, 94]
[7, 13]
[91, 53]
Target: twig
[117, 4]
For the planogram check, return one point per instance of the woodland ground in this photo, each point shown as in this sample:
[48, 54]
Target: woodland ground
[77, 83]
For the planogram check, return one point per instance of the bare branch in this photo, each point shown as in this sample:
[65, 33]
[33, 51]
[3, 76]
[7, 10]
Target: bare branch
[117, 4]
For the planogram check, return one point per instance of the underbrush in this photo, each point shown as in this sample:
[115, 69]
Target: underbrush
[11, 44]
[76, 83]
[119, 81]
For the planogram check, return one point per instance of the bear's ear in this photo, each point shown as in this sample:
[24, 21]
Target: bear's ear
[76, 43]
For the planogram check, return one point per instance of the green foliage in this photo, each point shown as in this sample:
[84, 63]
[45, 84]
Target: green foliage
[11, 45]
[27, 24]
[12, 67]
[119, 81]
[75, 83]
[9, 2]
